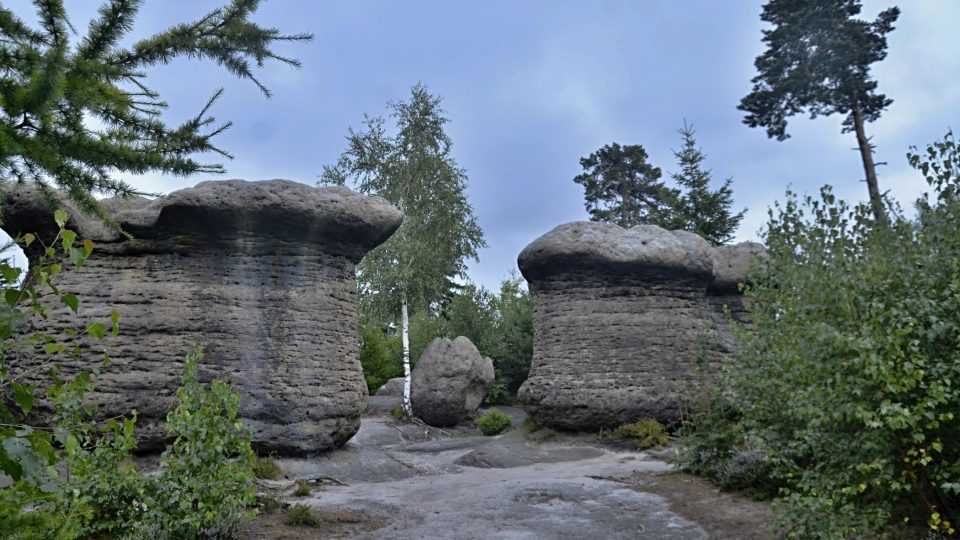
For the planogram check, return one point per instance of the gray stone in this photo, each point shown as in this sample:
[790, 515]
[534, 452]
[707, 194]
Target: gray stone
[731, 266]
[620, 319]
[261, 274]
[449, 382]
[393, 387]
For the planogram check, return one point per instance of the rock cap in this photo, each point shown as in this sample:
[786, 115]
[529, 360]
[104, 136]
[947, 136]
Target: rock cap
[611, 249]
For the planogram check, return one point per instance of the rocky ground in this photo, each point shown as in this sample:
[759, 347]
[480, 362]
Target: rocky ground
[399, 480]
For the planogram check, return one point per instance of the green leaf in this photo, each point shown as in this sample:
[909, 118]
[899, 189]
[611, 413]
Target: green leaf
[67, 238]
[88, 246]
[71, 301]
[97, 330]
[22, 396]
[77, 257]
[10, 274]
[54, 348]
[28, 239]
[61, 217]
[10, 296]
[115, 320]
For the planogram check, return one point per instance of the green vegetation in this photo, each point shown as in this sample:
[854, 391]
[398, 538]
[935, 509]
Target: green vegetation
[415, 269]
[500, 325]
[818, 61]
[621, 187]
[301, 516]
[266, 468]
[643, 434]
[398, 413]
[693, 206]
[302, 490]
[846, 394]
[493, 422]
[48, 87]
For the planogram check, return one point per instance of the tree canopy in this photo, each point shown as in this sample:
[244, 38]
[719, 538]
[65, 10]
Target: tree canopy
[697, 208]
[818, 61]
[414, 170]
[75, 114]
[621, 187]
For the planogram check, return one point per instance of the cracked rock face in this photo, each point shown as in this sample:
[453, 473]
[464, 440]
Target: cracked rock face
[621, 317]
[261, 274]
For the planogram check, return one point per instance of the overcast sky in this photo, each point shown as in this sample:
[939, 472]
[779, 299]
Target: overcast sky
[532, 86]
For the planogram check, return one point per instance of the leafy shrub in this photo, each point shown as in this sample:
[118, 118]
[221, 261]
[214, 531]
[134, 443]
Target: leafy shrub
[847, 381]
[398, 413]
[493, 422]
[266, 468]
[643, 434]
[301, 516]
[206, 486]
[381, 356]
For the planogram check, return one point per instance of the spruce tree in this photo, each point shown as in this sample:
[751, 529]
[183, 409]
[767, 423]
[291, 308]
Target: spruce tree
[621, 187]
[818, 60]
[51, 88]
[698, 208]
[415, 269]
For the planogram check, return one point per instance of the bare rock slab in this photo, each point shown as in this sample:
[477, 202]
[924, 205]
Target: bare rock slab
[261, 274]
[621, 317]
[449, 382]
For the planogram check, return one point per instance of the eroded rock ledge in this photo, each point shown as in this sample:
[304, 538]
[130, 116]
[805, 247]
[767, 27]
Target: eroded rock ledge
[621, 317]
[261, 274]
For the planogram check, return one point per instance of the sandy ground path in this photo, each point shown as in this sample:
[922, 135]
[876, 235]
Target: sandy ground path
[395, 481]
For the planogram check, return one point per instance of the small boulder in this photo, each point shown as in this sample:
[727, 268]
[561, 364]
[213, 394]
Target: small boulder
[393, 387]
[449, 381]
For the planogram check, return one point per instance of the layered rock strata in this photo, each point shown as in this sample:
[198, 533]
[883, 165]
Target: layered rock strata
[449, 382]
[260, 274]
[621, 318]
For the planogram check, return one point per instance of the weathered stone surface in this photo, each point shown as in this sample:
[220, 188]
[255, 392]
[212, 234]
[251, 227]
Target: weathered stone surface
[449, 381]
[620, 316]
[731, 265]
[393, 387]
[261, 274]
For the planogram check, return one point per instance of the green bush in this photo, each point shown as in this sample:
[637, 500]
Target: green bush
[301, 516]
[206, 486]
[847, 383]
[643, 434]
[302, 490]
[380, 356]
[493, 422]
[266, 468]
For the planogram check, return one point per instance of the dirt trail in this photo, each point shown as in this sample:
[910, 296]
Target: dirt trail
[395, 481]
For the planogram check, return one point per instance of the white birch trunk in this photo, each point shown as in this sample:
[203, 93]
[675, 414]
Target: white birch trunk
[405, 333]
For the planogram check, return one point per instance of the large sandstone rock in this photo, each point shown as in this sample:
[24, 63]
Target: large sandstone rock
[261, 274]
[393, 387]
[621, 317]
[449, 382]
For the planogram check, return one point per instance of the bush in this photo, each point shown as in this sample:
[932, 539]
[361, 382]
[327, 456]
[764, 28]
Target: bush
[644, 434]
[301, 516]
[302, 490]
[266, 468]
[847, 381]
[493, 422]
[206, 487]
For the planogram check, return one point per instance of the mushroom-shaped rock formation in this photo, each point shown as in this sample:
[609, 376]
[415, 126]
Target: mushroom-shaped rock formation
[261, 274]
[620, 317]
[449, 382]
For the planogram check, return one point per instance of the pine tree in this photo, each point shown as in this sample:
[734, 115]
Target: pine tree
[818, 60]
[415, 269]
[699, 209]
[621, 187]
[51, 88]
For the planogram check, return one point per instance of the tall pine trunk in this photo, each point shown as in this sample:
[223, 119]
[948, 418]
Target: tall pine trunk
[866, 154]
[405, 333]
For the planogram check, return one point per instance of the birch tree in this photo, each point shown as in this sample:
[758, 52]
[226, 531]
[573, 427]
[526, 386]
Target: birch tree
[413, 169]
